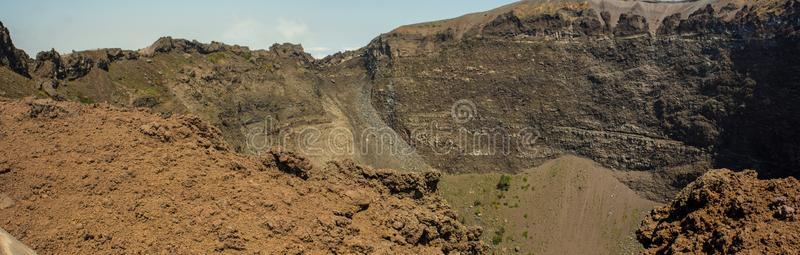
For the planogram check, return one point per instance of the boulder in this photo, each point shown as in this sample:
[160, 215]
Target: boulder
[291, 50]
[704, 21]
[77, 65]
[631, 24]
[670, 25]
[48, 65]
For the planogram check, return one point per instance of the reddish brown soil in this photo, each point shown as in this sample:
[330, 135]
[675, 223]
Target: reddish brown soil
[93, 179]
[727, 213]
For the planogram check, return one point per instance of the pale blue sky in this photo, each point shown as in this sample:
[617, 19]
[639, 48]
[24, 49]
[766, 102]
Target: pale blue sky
[323, 27]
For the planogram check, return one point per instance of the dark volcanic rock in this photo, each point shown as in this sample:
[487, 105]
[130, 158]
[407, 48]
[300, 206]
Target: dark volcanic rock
[702, 21]
[13, 58]
[52, 65]
[168, 44]
[120, 54]
[606, 16]
[104, 57]
[670, 24]
[292, 51]
[48, 65]
[567, 22]
[506, 24]
[631, 24]
[77, 65]
[589, 24]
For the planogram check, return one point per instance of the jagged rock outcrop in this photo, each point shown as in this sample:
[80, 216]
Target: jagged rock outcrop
[703, 20]
[670, 25]
[631, 24]
[54, 66]
[104, 57]
[76, 65]
[48, 64]
[289, 50]
[168, 44]
[567, 21]
[11, 57]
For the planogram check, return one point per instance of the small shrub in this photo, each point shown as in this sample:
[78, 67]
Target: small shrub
[498, 235]
[216, 57]
[504, 183]
[247, 55]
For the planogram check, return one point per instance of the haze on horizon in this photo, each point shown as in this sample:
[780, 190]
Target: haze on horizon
[322, 27]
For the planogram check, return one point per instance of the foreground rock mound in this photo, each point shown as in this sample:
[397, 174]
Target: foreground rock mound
[726, 213]
[93, 179]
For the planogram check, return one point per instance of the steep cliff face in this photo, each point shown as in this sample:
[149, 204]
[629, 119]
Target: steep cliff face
[685, 86]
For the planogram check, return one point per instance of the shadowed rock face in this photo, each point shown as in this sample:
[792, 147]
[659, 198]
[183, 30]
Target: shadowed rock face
[668, 88]
[631, 25]
[11, 57]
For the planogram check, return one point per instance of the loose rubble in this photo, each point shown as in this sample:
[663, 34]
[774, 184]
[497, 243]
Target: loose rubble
[725, 212]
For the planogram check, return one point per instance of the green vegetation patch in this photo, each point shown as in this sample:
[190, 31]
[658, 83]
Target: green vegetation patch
[85, 100]
[217, 57]
[505, 182]
[498, 235]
